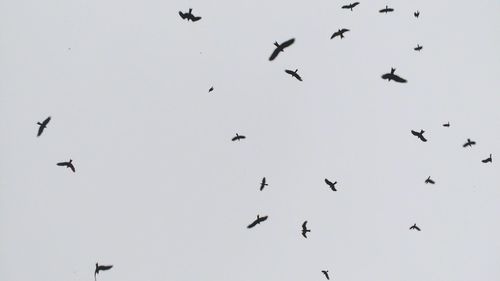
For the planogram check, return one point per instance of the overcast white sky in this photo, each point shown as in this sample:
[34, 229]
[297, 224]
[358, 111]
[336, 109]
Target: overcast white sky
[162, 193]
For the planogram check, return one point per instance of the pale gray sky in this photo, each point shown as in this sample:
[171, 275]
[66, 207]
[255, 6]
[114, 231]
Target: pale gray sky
[162, 193]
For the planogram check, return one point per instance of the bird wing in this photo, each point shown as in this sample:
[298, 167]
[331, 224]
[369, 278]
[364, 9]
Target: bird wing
[466, 144]
[243, 137]
[344, 30]
[297, 76]
[46, 121]
[254, 223]
[73, 169]
[335, 34]
[304, 225]
[346, 7]
[422, 138]
[62, 164]
[264, 218]
[304, 233]
[195, 18]
[105, 267]
[183, 15]
[287, 43]
[355, 4]
[289, 71]
[274, 54]
[234, 138]
[398, 79]
[387, 76]
[414, 133]
[40, 130]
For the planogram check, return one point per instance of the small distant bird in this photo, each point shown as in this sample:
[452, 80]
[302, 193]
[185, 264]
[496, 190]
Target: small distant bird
[280, 48]
[263, 183]
[211, 89]
[325, 272]
[294, 74]
[350, 6]
[414, 226]
[99, 268]
[418, 48]
[386, 10]
[469, 143]
[429, 180]
[257, 221]
[339, 33]
[487, 160]
[416, 14]
[67, 165]
[420, 135]
[331, 184]
[42, 125]
[392, 76]
[189, 16]
[446, 125]
[238, 137]
[304, 229]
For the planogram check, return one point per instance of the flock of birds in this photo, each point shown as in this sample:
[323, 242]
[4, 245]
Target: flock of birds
[280, 48]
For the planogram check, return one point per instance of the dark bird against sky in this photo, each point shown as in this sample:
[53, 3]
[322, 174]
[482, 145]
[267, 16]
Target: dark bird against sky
[67, 165]
[416, 14]
[99, 268]
[429, 180]
[386, 10]
[263, 183]
[257, 221]
[325, 272]
[280, 48]
[211, 89]
[294, 74]
[350, 6]
[305, 230]
[189, 16]
[414, 226]
[331, 184]
[469, 143]
[420, 135]
[340, 33]
[418, 48]
[487, 160]
[446, 124]
[42, 126]
[238, 137]
[394, 77]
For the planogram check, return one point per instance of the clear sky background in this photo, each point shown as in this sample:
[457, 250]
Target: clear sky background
[162, 193]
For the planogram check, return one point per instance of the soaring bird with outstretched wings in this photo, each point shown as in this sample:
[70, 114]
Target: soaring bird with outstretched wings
[325, 272]
[350, 6]
[189, 16]
[331, 184]
[394, 77]
[294, 74]
[429, 180]
[487, 160]
[280, 48]
[238, 137]
[99, 268]
[420, 135]
[304, 229]
[263, 183]
[416, 14]
[257, 221]
[67, 165]
[415, 227]
[42, 126]
[446, 124]
[340, 33]
[469, 143]
[386, 10]
[418, 48]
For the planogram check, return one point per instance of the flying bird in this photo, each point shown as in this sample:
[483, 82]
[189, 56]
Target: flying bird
[446, 125]
[416, 14]
[350, 6]
[331, 184]
[238, 137]
[339, 33]
[280, 48]
[304, 229]
[99, 268]
[294, 74]
[420, 135]
[67, 165]
[42, 126]
[386, 10]
[469, 143]
[263, 183]
[257, 221]
[392, 76]
[211, 89]
[418, 48]
[189, 16]
[487, 160]
[325, 272]
[429, 180]
[414, 226]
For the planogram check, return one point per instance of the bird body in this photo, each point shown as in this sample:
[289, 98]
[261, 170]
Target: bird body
[238, 137]
[340, 33]
[331, 184]
[42, 126]
[257, 221]
[487, 160]
[429, 180]
[189, 16]
[325, 272]
[386, 10]
[263, 183]
[99, 268]
[350, 6]
[67, 165]
[414, 226]
[469, 143]
[294, 74]
[280, 48]
[304, 229]
[420, 135]
[394, 77]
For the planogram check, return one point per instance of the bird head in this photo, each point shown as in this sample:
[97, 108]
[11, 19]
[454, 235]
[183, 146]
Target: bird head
[393, 70]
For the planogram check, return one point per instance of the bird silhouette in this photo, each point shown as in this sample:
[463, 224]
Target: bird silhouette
[325, 272]
[189, 16]
[350, 6]
[331, 184]
[42, 126]
[386, 10]
[469, 143]
[238, 137]
[294, 74]
[280, 48]
[414, 226]
[211, 89]
[446, 124]
[392, 76]
[429, 180]
[305, 230]
[416, 14]
[257, 221]
[67, 165]
[340, 33]
[418, 48]
[99, 268]
[263, 183]
[487, 160]
[420, 135]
